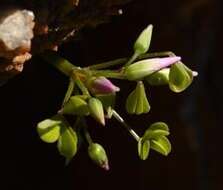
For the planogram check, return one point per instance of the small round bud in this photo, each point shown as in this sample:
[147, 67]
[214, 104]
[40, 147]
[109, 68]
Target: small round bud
[98, 155]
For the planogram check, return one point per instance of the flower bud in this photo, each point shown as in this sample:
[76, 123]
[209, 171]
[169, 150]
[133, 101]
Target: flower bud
[142, 43]
[101, 85]
[146, 67]
[67, 142]
[137, 102]
[96, 110]
[159, 78]
[98, 155]
[75, 106]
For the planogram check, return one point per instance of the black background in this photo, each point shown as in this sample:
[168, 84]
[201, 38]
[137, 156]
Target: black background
[192, 29]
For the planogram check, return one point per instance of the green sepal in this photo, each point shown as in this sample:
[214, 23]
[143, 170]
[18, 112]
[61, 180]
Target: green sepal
[143, 148]
[49, 129]
[180, 77]
[143, 41]
[161, 145]
[156, 130]
[76, 105]
[67, 142]
[96, 110]
[137, 102]
[108, 100]
[159, 78]
[131, 103]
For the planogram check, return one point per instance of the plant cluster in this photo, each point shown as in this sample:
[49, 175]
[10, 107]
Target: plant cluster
[90, 93]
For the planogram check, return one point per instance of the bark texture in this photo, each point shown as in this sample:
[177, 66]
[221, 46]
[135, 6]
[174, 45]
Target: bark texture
[55, 23]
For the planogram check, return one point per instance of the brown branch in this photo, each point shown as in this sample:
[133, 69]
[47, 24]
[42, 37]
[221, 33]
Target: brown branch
[55, 23]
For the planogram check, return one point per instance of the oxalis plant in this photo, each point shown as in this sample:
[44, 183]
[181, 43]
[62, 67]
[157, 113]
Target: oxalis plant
[91, 94]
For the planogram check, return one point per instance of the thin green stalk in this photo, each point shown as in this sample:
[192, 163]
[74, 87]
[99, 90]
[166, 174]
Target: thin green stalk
[130, 130]
[58, 62]
[86, 133]
[132, 59]
[121, 61]
[108, 64]
[69, 91]
[82, 87]
[108, 74]
[68, 69]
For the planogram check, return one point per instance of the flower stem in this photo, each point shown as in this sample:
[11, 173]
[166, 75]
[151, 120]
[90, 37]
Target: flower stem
[121, 120]
[108, 74]
[121, 61]
[69, 91]
[132, 59]
[82, 87]
[86, 133]
[69, 69]
[58, 62]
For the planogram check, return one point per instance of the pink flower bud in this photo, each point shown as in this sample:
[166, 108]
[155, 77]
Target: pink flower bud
[102, 85]
[143, 68]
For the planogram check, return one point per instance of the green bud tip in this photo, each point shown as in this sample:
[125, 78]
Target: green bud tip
[96, 110]
[142, 43]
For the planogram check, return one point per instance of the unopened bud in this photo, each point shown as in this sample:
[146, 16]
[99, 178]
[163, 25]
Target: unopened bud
[146, 67]
[142, 43]
[101, 85]
[75, 106]
[96, 110]
[98, 155]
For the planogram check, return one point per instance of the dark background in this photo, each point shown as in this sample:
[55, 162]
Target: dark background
[192, 29]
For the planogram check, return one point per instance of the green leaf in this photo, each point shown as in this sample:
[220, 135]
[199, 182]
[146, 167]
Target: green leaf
[159, 125]
[143, 149]
[161, 145]
[49, 129]
[143, 41]
[67, 143]
[156, 130]
[151, 134]
[180, 77]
